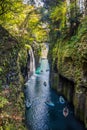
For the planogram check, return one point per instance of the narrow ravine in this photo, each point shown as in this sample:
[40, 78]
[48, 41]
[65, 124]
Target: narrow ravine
[40, 116]
[41, 90]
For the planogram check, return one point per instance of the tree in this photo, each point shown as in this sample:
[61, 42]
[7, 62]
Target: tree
[9, 5]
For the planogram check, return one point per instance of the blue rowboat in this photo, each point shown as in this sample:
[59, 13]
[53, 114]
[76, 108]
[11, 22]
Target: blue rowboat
[27, 104]
[61, 100]
[49, 103]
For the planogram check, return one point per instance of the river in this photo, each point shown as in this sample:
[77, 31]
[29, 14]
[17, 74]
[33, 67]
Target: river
[40, 116]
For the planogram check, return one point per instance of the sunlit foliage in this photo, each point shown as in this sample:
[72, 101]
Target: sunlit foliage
[58, 14]
[23, 22]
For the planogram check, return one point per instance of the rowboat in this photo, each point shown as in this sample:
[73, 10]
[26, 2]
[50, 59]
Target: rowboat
[65, 111]
[45, 84]
[49, 103]
[61, 100]
[27, 104]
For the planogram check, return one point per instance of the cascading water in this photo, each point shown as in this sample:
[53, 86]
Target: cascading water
[31, 63]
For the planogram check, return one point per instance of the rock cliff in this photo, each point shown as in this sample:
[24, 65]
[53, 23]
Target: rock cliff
[68, 60]
[16, 65]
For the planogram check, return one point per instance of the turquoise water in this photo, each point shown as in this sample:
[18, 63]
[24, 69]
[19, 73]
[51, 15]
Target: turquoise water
[38, 71]
[40, 116]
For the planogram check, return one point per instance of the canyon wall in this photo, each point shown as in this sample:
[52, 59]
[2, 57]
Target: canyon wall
[68, 58]
[16, 66]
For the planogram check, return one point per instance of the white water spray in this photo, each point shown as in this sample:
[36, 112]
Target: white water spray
[31, 64]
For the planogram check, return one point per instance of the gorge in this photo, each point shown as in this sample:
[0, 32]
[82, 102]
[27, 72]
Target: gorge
[43, 41]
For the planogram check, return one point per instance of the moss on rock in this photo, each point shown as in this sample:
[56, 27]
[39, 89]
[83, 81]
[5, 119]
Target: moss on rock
[71, 57]
[11, 82]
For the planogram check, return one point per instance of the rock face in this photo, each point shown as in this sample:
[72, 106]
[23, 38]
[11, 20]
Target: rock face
[77, 97]
[11, 81]
[69, 70]
[17, 64]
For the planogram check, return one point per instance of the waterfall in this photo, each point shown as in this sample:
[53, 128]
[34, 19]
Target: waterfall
[31, 63]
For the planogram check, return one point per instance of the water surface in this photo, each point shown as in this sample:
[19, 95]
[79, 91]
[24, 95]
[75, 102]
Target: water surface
[40, 116]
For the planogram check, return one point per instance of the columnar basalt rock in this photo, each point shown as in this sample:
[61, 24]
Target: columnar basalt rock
[77, 95]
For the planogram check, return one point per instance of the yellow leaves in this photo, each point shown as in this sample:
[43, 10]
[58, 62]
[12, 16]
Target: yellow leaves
[27, 46]
[58, 12]
[24, 23]
[34, 19]
[40, 34]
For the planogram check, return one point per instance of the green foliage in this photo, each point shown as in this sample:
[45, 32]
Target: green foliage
[74, 9]
[1, 70]
[9, 9]
[24, 23]
[27, 46]
[12, 127]
[3, 101]
[23, 57]
[0, 82]
[82, 28]
[72, 54]
[9, 127]
[58, 14]
[8, 5]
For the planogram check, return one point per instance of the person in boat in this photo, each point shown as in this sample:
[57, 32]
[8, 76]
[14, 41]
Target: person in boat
[50, 103]
[65, 111]
[45, 84]
[61, 100]
[47, 70]
[27, 103]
